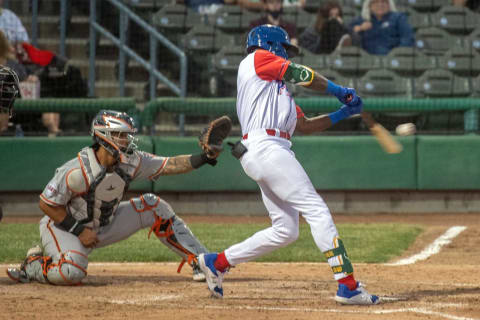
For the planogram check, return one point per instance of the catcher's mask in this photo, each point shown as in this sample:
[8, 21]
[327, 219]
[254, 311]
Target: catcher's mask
[271, 38]
[115, 132]
[9, 89]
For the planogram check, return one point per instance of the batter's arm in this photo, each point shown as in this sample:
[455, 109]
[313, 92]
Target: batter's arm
[311, 125]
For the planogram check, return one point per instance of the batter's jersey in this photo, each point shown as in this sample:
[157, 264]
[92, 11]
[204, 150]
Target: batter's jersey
[263, 100]
[91, 194]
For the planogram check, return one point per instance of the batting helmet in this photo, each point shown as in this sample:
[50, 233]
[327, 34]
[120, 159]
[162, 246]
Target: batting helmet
[273, 39]
[9, 89]
[114, 131]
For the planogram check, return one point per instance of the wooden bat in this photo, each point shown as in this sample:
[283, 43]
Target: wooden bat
[385, 139]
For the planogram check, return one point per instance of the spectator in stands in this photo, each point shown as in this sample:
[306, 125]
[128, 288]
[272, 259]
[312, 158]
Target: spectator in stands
[380, 28]
[11, 26]
[205, 6]
[273, 15]
[473, 5]
[327, 31]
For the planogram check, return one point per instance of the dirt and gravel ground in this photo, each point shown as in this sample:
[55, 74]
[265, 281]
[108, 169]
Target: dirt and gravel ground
[445, 286]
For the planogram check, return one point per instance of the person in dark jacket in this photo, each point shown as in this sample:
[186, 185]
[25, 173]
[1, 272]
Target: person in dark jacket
[324, 36]
[380, 28]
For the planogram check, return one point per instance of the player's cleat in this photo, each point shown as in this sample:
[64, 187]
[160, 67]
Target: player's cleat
[19, 274]
[359, 296]
[198, 274]
[213, 276]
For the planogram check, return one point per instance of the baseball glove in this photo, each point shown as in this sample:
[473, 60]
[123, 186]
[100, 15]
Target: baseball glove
[211, 138]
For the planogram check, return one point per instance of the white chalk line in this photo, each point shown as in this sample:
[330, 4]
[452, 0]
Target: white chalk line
[433, 248]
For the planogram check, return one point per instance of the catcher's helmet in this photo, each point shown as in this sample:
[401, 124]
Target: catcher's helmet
[114, 131]
[9, 89]
[273, 39]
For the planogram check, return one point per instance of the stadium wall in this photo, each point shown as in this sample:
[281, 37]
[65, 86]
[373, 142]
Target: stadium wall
[353, 174]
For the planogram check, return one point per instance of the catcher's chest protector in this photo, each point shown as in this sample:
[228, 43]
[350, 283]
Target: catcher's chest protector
[103, 190]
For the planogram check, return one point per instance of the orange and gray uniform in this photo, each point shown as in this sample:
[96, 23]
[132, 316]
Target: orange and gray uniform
[94, 197]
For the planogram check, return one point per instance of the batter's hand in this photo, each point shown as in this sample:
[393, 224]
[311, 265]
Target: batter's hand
[88, 238]
[347, 96]
[353, 108]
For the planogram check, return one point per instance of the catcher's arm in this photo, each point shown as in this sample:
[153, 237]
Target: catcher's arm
[185, 163]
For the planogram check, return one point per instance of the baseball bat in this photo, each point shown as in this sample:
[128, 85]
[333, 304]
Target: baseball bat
[384, 138]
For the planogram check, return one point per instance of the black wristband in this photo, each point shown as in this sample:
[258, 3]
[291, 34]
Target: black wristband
[198, 160]
[70, 224]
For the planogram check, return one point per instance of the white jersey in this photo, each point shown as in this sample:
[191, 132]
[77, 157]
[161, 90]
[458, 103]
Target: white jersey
[263, 100]
[91, 194]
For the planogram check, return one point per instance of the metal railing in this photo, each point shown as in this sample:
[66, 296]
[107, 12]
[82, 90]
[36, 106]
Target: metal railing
[125, 15]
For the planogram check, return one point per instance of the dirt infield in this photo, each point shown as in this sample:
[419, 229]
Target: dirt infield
[445, 286]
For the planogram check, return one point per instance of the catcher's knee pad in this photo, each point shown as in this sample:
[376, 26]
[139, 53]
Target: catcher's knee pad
[338, 260]
[151, 202]
[70, 269]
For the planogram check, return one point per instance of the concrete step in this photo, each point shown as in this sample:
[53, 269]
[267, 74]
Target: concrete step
[77, 48]
[109, 89]
[49, 26]
[106, 70]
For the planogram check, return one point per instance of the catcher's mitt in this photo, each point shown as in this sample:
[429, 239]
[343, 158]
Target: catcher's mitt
[211, 138]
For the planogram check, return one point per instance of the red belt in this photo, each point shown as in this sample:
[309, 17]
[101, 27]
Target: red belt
[272, 132]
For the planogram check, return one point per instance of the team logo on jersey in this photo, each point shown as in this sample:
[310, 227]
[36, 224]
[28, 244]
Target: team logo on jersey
[51, 190]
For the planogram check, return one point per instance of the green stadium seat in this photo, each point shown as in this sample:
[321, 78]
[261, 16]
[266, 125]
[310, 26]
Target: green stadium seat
[312, 6]
[205, 39]
[223, 70]
[476, 87]
[349, 14]
[462, 61]
[416, 19]
[356, 4]
[228, 18]
[304, 20]
[428, 5]
[441, 84]
[408, 62]
[248, 17]
[474, 39]
[435, 41]
[352, 61]
[176, 19]
[384, 83]
[456, 20]
[315, 61]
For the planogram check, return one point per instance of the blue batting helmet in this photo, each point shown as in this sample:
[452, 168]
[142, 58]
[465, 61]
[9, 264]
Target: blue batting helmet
[273, 39]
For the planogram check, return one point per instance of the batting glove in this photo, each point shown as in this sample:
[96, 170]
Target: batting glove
[343, 94]
[347, 110]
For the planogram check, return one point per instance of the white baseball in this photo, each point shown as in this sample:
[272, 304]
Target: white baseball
[405, 129]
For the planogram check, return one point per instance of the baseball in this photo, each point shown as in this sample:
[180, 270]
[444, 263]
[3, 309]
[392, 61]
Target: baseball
[406, 129]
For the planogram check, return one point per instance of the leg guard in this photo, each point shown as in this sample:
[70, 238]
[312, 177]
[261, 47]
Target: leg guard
[337, 259]
[170, 229]
[70, 269]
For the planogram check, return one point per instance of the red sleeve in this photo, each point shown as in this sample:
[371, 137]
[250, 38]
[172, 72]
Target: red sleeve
[268, 66]
[300, 113]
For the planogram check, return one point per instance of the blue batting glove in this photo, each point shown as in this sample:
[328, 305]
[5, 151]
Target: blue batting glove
[343, 94]
[347, 110]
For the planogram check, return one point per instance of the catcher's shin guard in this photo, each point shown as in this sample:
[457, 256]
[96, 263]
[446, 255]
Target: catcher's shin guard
[339, 261]
[170, 229]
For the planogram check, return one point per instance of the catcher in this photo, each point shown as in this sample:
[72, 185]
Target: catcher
[83, 207]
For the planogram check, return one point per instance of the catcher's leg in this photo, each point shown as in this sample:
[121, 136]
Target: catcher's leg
[63, 261]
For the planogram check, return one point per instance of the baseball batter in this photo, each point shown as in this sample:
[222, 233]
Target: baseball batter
[268, 117]
[84, 209]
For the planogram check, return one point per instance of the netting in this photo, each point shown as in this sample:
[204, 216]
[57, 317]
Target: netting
[432, 80]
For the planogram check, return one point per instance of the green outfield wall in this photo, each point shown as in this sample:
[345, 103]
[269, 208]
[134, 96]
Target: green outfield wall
[333, 163]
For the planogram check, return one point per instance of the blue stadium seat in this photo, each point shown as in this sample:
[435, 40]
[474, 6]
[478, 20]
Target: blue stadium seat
[408, 62]
[441, 84]
[462, 61]
[435, 41]
[457, 20]
[352, 61]
[384, 83]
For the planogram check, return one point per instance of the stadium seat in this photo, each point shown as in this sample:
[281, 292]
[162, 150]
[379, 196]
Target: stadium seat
[408, 62]
[435, 41]
[349, 14]
[352, 61]
[384, 83]
[474, 39]
[315, 61]
[174, 19]
[428, 5]
[312, 6]
[228, 18]
[462, 61]
[304, 20]
[357, 4]
[441, 84]
[205, 39]
[223, 70]
[416, 19]
[248, 17]
[456, 20]
[476, 87]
